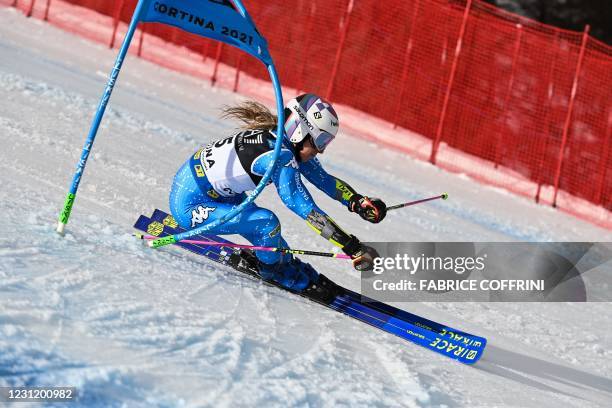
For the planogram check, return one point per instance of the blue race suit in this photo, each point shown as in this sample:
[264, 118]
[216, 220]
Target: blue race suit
[216, 177]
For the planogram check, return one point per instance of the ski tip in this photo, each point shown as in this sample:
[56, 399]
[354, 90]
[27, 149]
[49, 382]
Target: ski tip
[481, 350]
[444, 196]
[475, 360]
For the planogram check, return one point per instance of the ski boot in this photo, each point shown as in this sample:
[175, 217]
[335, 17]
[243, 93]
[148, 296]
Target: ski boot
[245, 261]
[290, 273]
[323, 290]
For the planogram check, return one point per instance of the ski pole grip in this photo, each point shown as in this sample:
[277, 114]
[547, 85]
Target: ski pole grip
[162, 241]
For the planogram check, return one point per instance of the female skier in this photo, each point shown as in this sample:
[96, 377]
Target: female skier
[216, 177]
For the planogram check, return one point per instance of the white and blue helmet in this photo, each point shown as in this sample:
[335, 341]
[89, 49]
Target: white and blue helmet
[311, 115]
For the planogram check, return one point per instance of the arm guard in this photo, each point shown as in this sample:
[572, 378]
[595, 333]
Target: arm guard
[323, 225]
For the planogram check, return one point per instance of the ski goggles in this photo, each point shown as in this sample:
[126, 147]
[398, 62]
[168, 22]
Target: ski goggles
[321, 140]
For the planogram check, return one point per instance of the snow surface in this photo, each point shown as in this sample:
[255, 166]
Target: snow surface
[130, 326]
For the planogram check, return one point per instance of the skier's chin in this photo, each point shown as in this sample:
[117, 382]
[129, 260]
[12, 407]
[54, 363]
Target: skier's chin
[304, 157]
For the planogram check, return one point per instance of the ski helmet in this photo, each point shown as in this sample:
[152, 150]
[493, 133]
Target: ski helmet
[311, 115]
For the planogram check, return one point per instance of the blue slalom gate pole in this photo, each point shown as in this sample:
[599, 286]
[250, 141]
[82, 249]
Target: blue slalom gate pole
[226, 21]
[68, 203]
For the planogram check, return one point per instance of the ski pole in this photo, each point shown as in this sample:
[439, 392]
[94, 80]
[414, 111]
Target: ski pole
[257, 248]
[443, 196]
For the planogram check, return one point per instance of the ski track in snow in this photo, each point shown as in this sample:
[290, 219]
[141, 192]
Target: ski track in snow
[129, 326]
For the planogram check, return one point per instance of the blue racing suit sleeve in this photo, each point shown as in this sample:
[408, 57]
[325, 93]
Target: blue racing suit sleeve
[293, 193]
[330, 185]
[288, 182]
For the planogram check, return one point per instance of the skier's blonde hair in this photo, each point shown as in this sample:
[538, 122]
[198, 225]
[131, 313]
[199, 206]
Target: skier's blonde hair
[252, 115]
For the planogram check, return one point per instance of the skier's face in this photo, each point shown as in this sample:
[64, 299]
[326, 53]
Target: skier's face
[309, 151]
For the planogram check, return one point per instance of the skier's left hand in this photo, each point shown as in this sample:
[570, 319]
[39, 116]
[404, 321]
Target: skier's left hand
[363, 260]
[362, 255]
[370, 209]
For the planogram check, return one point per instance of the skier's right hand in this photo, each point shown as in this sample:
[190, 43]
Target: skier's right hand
[371, 209]
[363, 255]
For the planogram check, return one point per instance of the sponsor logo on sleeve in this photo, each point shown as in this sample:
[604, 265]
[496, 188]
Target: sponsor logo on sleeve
[199, 171]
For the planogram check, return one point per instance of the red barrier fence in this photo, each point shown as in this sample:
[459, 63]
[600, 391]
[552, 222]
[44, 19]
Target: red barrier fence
[531, 104]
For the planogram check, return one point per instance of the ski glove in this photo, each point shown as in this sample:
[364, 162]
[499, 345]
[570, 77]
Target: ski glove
[370, 209]
[362, 255]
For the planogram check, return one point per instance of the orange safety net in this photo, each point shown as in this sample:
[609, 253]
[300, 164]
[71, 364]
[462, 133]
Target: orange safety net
[503, 96]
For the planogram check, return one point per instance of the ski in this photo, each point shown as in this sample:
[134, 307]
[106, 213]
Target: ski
[461, 346]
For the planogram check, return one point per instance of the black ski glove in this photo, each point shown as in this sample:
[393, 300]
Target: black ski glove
[362, 255]
[370, 209]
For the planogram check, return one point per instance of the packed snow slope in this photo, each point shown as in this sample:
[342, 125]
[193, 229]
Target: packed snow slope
[129, 325]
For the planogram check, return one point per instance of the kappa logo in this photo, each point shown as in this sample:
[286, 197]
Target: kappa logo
[200, 214]
[292, 163]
